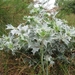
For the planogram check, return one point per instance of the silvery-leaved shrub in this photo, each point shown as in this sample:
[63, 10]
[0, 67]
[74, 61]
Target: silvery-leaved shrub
[49, 39]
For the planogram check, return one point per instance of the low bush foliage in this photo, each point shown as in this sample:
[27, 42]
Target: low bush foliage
[49, 39]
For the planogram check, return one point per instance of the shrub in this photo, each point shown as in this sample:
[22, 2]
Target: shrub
[49, 39]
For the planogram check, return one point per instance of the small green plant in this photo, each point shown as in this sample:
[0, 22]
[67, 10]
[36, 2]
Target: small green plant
[49, 39]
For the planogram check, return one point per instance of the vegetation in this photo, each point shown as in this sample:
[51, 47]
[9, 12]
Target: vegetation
[12, 12]
[67, 10]
[38, 46]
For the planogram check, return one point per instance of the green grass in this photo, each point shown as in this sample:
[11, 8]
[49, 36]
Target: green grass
[70, 18]
[12, 12]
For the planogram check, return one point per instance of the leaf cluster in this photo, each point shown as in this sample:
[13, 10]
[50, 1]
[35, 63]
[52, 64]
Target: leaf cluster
[40, 34]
